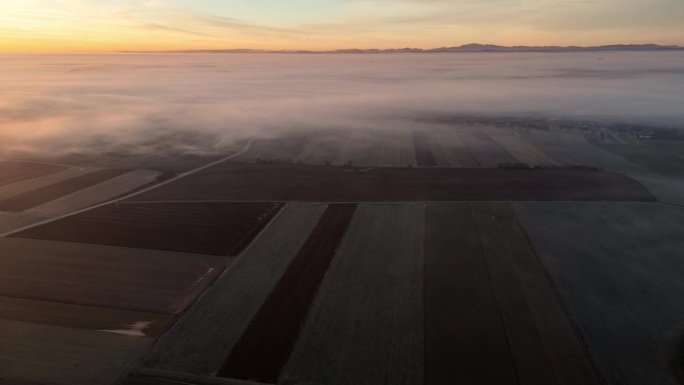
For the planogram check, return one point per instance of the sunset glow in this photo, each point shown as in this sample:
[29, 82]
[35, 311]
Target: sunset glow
[112, 25]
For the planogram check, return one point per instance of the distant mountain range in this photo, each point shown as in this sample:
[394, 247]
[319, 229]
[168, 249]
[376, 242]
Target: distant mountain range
[463, 48]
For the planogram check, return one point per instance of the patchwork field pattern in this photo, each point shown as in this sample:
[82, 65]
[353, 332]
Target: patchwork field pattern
[515, 330]
[99, 193]
[265, 346]
[202, 340]
[618, 269]
[48, 193]
[194, 227]
[377, 273]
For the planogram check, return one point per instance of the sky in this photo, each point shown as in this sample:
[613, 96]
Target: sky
[114, 25]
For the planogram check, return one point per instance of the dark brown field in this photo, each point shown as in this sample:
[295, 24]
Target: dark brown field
[491, 315]
[424, 154]
[199, 228]
[45, 194]
[457, 278]
[265, 346]
[141, 280]
[286, 182]
[12, 172]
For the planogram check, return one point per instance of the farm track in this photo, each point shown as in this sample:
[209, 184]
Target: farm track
[618, 270]
[48, 193]
[265, 346]
[366, 323]
[13, 171]
[203, 338]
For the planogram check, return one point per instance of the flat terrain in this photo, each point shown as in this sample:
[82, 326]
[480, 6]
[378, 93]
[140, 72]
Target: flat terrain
[48, 193]
[283, 182]
[119, 321]
[618, 269]
[12, 171]
[101, 192]
[195, 227]
[515, 330]
[143, 280]
[46, 354]
[365, 325]
[265, 346]
[202, 340]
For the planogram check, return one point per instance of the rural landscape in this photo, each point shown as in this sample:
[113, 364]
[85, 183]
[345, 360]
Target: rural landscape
[454, 250]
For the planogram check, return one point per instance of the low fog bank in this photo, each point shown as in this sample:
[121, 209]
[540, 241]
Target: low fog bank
[127, 105]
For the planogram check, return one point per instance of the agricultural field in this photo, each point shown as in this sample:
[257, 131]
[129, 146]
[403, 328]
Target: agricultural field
[389, 309]
[203, 338]
[142, 280]
[14, 171]
[281, 182]
[659, 162]
[323, 147]
[36, 183]
[265, 345]
[119, 321]
[522, 150]
[356, 150]
[281, 150]
[449, 150]
[424, 152]
[572, 149]
[191, 227]
[102, 192]
[45, 354]
[666, 190]
[515, 330]
[365, 325]
[14, 221]
[51, 192]
[672, 147]
[485, 150]
[618, 269]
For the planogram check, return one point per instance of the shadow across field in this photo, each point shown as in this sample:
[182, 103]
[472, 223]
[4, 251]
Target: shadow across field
[287, 182]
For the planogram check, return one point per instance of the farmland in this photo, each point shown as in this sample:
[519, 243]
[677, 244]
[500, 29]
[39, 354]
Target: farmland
[46, 354]
[195, 227]
[265, 345]
[201, 341]
[114, 277]
[48, 193]
[85, 317]
[13, 172]
[618, 269]
[281, 182]
[370, 338]
[98, 193]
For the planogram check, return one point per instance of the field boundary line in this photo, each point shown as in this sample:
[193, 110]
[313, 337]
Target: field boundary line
[135, 193]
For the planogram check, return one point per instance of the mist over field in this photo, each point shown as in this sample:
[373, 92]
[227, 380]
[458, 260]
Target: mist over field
[201, 103]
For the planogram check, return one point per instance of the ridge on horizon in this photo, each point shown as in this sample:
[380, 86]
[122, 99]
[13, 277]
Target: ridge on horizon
[472, 47]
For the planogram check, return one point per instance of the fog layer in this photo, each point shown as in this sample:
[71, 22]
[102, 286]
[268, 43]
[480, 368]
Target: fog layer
[183, 103]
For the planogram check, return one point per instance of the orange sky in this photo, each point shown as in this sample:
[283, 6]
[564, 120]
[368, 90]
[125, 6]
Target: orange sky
[111, 25]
